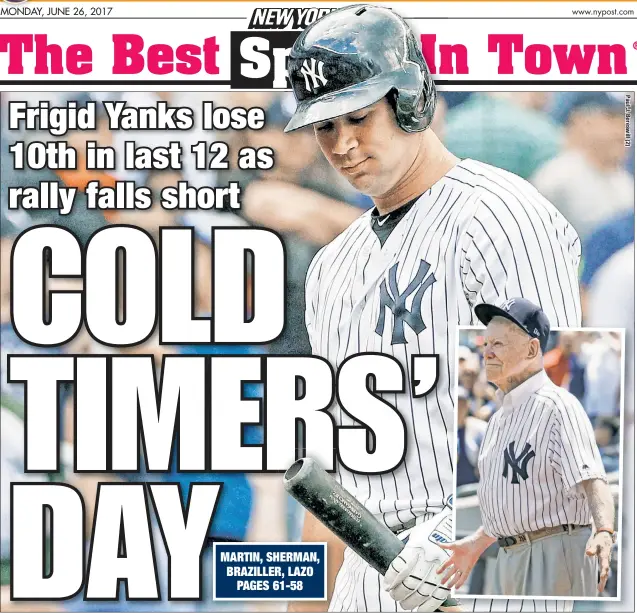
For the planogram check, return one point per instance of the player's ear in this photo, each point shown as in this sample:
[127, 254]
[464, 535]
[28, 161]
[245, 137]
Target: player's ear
[534, 349]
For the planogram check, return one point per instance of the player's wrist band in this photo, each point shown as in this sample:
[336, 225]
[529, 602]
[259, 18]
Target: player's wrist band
[612, 533]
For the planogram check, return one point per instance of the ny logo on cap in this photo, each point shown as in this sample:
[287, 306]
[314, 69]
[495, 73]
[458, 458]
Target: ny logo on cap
[508, 304]
[313, 71]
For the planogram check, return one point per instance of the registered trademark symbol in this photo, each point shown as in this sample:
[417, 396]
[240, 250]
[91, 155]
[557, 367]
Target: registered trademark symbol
[635, 45]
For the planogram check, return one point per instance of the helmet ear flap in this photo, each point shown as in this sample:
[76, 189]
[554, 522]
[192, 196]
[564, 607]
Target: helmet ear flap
[392, 98]
[420, 103]
[415, 111]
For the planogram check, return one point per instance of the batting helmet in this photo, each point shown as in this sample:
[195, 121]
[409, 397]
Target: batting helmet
[353, 57]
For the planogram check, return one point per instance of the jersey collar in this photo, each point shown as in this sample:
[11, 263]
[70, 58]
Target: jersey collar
[395, 215]
[519, 395]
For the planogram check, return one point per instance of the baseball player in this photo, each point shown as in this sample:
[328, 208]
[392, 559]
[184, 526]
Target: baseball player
[444, 235]
[542, 480]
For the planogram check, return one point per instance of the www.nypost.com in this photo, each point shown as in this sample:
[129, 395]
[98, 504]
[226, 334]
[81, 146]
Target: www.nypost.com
[602, 12]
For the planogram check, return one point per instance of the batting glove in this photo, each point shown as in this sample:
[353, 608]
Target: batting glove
[411, 579]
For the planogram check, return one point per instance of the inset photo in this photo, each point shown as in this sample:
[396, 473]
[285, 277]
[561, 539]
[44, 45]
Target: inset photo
[539, 435]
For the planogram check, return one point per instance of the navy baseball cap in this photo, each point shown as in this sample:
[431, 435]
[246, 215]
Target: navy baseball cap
[528, 316]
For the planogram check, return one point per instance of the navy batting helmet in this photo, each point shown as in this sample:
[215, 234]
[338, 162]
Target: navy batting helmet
[352, 58]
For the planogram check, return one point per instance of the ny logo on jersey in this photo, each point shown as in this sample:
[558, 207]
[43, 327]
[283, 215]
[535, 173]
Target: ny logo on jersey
[313, 71]
[396, 302]
[518, 465]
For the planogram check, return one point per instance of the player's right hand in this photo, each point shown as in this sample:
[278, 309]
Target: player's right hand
[464, 555]
[411, 579]
[601, 545]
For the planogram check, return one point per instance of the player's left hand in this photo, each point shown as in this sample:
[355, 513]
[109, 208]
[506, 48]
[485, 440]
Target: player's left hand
[411, 579]
[601, 545]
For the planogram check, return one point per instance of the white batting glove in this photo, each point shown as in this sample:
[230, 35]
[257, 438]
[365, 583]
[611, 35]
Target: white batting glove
[411, 578]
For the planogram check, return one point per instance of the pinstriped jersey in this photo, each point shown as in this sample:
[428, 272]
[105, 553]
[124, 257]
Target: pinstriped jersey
[509, 604]
[538, 449]
[479, 234]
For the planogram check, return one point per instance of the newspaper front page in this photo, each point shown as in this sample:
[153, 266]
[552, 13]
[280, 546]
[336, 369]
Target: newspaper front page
[317, 306]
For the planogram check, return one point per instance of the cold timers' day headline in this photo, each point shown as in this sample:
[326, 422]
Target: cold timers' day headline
[124, 404]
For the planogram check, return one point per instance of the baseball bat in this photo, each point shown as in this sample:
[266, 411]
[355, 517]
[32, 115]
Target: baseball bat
[343, 515]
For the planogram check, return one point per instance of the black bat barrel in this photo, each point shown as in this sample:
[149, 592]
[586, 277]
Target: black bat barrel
[345, 516]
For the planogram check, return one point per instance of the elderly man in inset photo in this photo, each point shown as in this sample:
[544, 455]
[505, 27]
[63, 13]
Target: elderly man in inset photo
[543, 492]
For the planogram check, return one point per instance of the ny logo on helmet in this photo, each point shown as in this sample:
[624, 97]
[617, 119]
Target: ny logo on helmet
[313, 71]
[508, 304]
[396, 302]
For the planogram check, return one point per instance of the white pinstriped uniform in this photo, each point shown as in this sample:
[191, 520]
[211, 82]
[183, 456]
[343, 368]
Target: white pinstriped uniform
[538, 447]
[480, 234]
[526, 606]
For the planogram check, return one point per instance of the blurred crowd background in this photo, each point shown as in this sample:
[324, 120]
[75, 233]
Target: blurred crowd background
[570, 145]
[586, 363]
